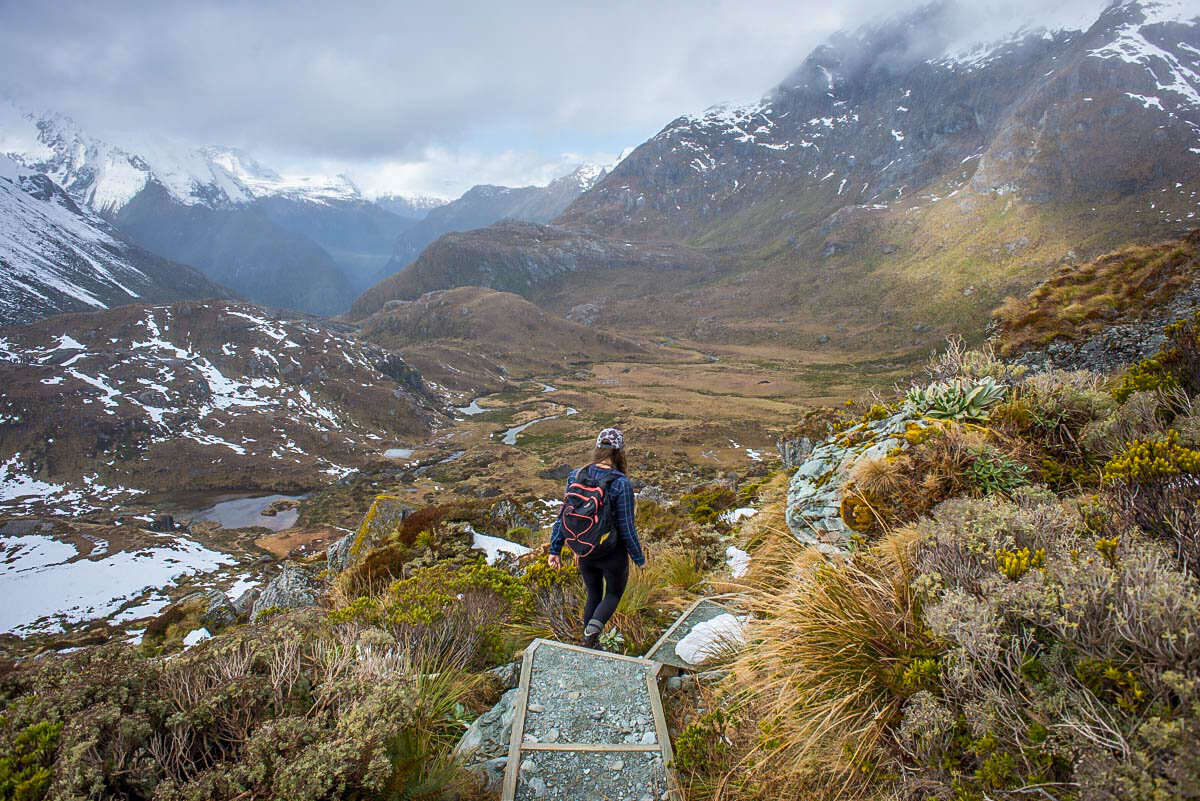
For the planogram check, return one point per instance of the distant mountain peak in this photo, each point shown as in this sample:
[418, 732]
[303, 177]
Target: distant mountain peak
[106, 177]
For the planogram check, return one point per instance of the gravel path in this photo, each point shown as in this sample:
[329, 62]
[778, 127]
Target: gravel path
[587, 698]
[580, 776]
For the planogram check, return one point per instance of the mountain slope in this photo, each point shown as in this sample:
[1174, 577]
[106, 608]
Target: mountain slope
[475, 339]
[56, 257]
[898, 185]
[482, 205]
[358, 235]
[240, 247]
[203, 395]
[525, 259]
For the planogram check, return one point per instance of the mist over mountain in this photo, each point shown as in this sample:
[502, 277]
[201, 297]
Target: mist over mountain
[309, 243]
[903, 175]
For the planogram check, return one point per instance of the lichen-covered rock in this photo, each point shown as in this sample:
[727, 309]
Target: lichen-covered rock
[244, 603]
[485, 744]
[654, 494]
[387, 512]
[511, 515]
[337, 555]
[291, 589]
[815, 494]
[220, 612]
[793, 452]
[509, 675]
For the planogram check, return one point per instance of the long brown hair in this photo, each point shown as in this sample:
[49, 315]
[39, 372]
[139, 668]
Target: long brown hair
[614, 455]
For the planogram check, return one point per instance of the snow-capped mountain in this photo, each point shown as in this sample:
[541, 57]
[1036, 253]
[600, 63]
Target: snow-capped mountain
[58, 257]
[411, 206]
[307, 242]
[905, 178]
[106, 177]
[883, 113]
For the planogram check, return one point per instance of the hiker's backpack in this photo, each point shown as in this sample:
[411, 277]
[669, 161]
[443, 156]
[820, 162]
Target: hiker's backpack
[587, 515]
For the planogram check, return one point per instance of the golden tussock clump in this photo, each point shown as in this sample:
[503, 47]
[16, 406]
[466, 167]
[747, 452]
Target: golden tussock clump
[1079, 300]
[832, 643]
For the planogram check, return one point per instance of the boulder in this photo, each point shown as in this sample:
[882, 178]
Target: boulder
[793, 452]
[337, 555]
[220, 612]
[291, 589]
[559, 473]
[244, 603]
[654, 494]
[163, 523]
[488, 736]
[386, 513]
[512, 516]
[509, 675]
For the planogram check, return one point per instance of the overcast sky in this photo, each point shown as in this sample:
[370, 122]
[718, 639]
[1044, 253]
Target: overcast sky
[416, 97]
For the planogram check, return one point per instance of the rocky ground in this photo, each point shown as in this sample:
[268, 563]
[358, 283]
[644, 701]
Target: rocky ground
[1119, 344]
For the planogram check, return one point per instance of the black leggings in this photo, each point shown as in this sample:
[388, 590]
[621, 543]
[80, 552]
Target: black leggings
[605, 580]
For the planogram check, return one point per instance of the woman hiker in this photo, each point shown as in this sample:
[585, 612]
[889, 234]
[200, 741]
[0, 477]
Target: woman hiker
[596, 523]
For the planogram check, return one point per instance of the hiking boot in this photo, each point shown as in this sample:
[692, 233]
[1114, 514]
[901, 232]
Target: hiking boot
[590, 641]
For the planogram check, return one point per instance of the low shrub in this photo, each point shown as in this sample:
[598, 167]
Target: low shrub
[1058, 647]
[295, 710]
[666, 528]
[1156, 486]
[457, 612]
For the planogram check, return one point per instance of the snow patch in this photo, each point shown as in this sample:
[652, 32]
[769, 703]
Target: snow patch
[711, 638]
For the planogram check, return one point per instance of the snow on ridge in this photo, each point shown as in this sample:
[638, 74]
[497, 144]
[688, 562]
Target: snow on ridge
[55, 256]
[106, 176]
[1131, 45]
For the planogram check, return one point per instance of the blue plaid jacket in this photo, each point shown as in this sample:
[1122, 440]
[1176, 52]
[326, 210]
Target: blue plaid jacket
[622, 490]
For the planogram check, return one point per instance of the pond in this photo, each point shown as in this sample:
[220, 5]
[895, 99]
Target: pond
[473, 409]
[240, 511]
[398, 453]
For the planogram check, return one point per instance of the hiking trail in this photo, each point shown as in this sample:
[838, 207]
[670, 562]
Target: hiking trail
[590, 724]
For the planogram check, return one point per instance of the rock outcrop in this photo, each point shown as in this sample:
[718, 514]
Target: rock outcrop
[817, 488]
[291, 589]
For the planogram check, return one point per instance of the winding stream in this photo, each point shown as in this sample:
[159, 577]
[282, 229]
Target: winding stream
[510, 435]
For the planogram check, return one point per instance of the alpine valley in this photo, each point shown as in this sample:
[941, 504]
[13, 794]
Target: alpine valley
[906, 351]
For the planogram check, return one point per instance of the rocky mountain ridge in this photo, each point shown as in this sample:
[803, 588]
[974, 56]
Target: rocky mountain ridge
[526, 258]
[484, 204]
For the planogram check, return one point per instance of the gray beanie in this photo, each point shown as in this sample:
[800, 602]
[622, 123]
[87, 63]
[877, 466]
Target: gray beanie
[610, 438]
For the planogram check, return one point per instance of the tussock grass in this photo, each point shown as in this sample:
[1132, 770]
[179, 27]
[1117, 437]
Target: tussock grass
[824, 674]
[1079, 300]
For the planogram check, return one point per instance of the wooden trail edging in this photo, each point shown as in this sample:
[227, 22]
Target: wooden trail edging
[517, 788]
[548, 665]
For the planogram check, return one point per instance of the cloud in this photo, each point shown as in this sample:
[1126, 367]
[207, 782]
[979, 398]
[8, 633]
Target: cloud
[408, 88]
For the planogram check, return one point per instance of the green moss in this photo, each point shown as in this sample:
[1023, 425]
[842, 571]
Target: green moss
[27, 760]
